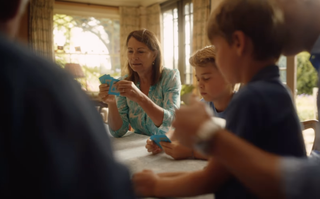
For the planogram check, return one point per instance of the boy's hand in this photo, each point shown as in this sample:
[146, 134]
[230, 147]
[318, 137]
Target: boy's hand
[176, 150]
[152, 147]
[145, 183]
[187, 121]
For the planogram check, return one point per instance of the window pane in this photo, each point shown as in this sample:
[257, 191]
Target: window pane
[186, 9]
[188, 23]
[168, 39]
[282, 63]
[97, 54]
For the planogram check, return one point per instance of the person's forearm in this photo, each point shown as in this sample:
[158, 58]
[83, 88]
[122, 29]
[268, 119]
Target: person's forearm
[172, 174]
[185, 185]
[114, 118]
[154, 111]
[199, 156]
[258, 170]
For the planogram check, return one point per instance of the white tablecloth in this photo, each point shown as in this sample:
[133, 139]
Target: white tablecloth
[131, 151]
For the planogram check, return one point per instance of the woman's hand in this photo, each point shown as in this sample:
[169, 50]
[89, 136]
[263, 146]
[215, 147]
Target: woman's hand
[130, 90]
[152, 147]
[104, 96]
[176, 150]
[145, 183]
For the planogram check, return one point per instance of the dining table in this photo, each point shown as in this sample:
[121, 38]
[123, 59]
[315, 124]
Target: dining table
[130, 150]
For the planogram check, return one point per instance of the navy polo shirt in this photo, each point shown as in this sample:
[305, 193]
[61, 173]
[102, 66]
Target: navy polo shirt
[264, 114]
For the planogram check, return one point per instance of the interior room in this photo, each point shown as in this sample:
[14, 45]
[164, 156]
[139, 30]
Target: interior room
[87, 38]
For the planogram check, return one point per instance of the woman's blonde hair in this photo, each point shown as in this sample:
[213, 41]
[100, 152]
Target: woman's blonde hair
[203, 56]
[150, 40]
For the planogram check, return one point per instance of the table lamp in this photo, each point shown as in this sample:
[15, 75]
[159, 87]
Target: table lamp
[75, 70]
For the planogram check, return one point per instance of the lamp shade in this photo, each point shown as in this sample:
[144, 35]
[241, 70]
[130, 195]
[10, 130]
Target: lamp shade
[75, 70]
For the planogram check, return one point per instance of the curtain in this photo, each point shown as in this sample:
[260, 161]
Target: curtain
[129, 21]
[154, 20]
[41, 27]
[201, 12]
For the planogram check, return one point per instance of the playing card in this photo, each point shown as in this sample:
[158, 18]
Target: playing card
[159, 138]
[113, 89]
[103, 78]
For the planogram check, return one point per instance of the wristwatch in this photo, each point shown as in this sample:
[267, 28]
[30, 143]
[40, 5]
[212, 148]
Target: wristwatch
[205, 133]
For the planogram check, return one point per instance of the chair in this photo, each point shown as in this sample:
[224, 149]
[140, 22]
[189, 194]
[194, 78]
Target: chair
[314, 125]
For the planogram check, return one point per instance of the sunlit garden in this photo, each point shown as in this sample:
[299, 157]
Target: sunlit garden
[306, 82]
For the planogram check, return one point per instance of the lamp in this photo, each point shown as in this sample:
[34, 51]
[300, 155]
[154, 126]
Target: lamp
[75, 70]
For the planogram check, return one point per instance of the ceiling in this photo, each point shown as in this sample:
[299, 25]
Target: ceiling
[119, 2]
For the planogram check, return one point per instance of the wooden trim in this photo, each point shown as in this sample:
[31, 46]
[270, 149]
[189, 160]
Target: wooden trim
[292, 74]
[82, 9]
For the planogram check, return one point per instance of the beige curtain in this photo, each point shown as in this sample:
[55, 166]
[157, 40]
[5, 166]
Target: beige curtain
[201, 12]
[41, 27]
[129, 21]
[154, 20]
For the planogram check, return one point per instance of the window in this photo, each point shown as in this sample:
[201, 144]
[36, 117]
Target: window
[282, 63]
[91, 42]
[177, 19]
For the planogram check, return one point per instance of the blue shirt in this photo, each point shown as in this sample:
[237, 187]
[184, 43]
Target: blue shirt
[301, 177]
[263, 113]
[221, 114]
[166, 94]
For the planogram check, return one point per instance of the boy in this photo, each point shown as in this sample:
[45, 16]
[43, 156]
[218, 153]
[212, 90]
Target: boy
[287, 177]
[248, 38]
[216, 93]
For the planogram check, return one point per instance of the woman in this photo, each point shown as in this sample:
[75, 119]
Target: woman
[149, 93]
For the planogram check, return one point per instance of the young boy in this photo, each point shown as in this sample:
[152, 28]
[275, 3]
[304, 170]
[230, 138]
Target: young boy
[248, 38]
[216, 93]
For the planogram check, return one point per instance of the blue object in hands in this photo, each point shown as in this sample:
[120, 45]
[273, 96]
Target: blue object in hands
[160, 138]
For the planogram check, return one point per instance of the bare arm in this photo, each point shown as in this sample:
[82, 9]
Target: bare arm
[172, 174]
[114, 118]
[195, 183]
[256, 169]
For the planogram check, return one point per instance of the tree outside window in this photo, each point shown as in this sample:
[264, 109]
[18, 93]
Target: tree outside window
[91, 42]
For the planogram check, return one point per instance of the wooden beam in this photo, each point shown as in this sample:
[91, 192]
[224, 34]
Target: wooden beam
[292, 74]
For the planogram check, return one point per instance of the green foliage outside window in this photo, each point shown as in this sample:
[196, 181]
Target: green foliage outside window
[306, 74]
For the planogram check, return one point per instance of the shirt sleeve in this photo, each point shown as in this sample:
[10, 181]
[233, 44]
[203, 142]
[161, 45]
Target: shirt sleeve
[124, 112]
[300, 177]
[171, 100]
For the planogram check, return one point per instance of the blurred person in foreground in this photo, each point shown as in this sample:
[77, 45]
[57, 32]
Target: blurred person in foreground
[53, 141]
[265, 174]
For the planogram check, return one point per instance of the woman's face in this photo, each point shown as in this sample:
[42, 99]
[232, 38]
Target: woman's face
[140, 57]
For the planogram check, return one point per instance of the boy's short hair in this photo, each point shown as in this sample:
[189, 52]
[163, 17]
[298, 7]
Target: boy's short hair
[260, 20]
[203, 56]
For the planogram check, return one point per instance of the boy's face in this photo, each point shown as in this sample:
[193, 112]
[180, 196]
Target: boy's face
[211, 83]
[226, 59]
